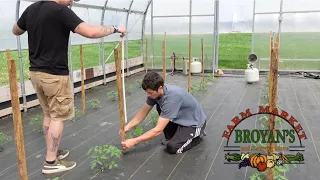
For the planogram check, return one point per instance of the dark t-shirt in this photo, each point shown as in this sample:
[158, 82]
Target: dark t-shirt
[48, 25]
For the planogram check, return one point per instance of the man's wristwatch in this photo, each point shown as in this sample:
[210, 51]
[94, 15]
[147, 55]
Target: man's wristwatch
[115, 29]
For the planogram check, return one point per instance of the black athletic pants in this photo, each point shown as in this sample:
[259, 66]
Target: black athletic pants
[181, 138]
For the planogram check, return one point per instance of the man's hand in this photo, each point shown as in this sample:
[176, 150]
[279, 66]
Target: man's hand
[122, 30]
[129, 143]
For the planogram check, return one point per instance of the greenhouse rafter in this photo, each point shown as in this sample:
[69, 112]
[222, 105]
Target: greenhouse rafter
[105, 7]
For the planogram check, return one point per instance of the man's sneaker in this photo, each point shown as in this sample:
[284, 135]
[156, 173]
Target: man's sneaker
[58, 166]
[61, 154]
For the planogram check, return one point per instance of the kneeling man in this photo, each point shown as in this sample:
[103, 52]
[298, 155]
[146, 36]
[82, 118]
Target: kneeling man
[181, 118]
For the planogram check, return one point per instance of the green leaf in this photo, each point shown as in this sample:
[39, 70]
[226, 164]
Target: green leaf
[90, 150]
[100, 162]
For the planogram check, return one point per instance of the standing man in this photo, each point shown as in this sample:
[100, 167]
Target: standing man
[182, 120]
[48, 24]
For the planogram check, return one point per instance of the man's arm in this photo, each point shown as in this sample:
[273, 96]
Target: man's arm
[16, 30]
[95, 31]
[139, 117]
[20, 27]
[156, 131]
[77, 25]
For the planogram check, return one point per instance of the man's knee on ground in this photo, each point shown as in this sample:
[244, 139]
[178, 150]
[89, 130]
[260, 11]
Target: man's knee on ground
[172, 148]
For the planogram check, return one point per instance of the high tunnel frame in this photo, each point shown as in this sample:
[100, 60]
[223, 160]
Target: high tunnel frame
[128, 11]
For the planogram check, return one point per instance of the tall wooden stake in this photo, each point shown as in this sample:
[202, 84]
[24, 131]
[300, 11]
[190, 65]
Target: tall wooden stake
[117, 57]
[82, 83]
[17, 121]
[202, 56]
[8, 54]
[146, 55]
[190, 56]
[164, 71]
[273, 97]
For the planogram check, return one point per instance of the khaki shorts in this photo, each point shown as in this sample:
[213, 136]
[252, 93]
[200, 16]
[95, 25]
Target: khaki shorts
[55, 95]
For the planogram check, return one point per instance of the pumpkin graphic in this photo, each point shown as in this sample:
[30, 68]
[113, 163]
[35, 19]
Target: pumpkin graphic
[255, 159]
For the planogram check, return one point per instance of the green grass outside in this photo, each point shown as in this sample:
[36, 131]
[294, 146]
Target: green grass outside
[235, 48]
[233, 51]
[90, 57]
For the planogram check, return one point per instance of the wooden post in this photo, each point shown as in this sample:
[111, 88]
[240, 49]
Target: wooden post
[271, 46]
[164, 60]
[17, 121]
[202, 56]
[146, 55]
[83, 96]
[273, 97]
[117, 57]
[190, 56]
[8, 54]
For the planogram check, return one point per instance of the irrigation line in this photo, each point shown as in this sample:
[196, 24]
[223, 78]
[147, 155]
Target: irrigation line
[160, 147]
[66, 138]
[255, 123]
[107, 143]
[88, 140]
[187, 151]
[229, 124]
[83, 117]
[207, 123]
[69, 135]
[142, 163]
[304, 119]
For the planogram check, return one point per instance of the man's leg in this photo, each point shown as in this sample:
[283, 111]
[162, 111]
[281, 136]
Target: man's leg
[184, 139]
[53, 140]
[61, 154]
[46, 125]
[55, 93]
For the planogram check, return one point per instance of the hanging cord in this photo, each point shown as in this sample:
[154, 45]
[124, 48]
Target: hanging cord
[122, 64]
[123, 86]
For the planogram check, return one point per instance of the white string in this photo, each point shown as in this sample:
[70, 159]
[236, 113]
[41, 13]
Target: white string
[122, 62]
[123, 73]
[123, 87]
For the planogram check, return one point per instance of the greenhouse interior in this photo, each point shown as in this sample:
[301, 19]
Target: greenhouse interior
[247, 65]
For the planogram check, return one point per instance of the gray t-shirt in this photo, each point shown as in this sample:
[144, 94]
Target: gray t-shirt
[179, 106]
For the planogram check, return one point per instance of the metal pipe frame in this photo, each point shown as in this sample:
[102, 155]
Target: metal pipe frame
[310, 60]
[253, 23]
[216, 37]
[127, 51]
[190, 20]
[143, 54]
[194, 15]
[22, 84]
[152, 35]
[102, 45]
[74, 4]
[289, 12]
[280, 19]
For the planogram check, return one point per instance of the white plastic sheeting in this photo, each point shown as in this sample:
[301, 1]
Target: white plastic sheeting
[89, 15]
[234, 15]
